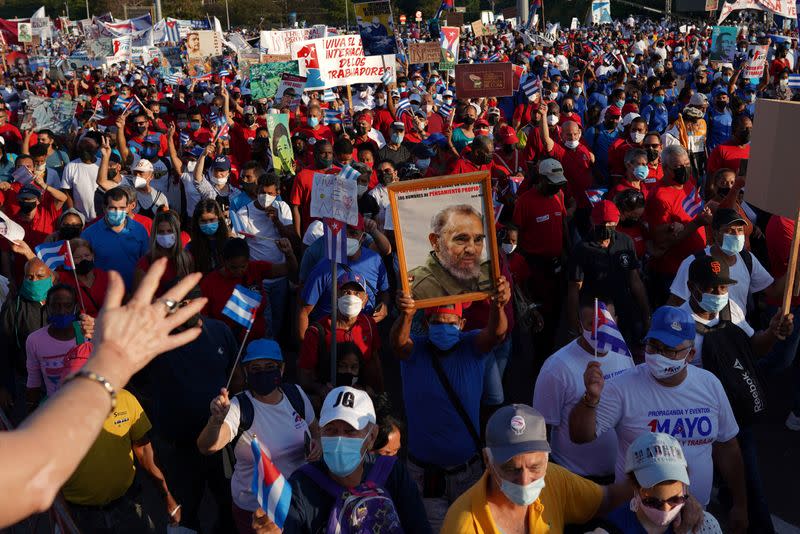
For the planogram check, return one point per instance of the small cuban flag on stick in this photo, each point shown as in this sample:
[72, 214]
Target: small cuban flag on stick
[55, 254]
[241, 308]
[531, 86]
[606, 333]
[693, 204]
[273, 492]
[596, 195]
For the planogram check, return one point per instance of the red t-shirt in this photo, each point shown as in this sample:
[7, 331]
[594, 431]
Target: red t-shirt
[364, 334]
[540, 220]
[322, 132]
[464, 165]
[616, 155]
[578, 171]
[780, 232]
[43, 223]
[93, 297]
[624, 184]
[728, 155]
[665, 206]
[218, 287]
[301, 193]
[522, 114]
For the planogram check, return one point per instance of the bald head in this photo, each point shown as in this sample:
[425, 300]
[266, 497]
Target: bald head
[570, 132]
[35, 269]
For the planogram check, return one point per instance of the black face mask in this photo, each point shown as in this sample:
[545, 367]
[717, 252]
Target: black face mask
[481, 158]
[112, 173]
[680, 175]
[652, 154]
[723, 191]
[601, 233]
[264, 382]
[469, 121]
[141, 129]
[361, 130]
[69, 232]
[27, 207]
[84, 267]
[346, 379]
[549, 190]
[249, 188]
[249, 119]
[627, 223]
[743, 137]
[493, 120]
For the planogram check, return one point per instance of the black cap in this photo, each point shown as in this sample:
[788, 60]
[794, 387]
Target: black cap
[726, 217]
[29, 191]
[707, 271]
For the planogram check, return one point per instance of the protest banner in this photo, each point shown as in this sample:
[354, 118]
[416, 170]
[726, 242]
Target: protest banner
[171, 57]
[24, 32]
[480, 29]
[49, 113]
[280, 41]
[601, 12]
[248, 59]
[275, 58]
[265, 77]
[424, 53]
[280, 143]
[339, 61]
[712, 5]
[723, 44]
[121, 46]
[376, 27]
[454, 19]
[291, 86]
[484, 79]
[40, 27]
[448, 45]
[100, 47]
[334, 196]
[756, 61]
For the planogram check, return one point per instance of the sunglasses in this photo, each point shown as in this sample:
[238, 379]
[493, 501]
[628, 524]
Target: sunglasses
[654, 502]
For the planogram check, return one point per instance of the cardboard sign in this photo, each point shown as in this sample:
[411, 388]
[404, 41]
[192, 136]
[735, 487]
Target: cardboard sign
[281, 143]
[265, 77]
[24, 32]
[339, 61]
[723, 44]
[49, 113]
[509, 12]
[771, 173]
[756, 61]
[455, 19]
[480, 29]
[280, 41]
[291, 82]
[424, 52]
[335, 197]
[376, 27]
[275, 58]
[712, 5]
[484, 79]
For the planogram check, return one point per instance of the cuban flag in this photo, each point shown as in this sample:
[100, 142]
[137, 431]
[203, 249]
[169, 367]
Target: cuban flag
[224, 72]
[596, 195]
[55, 255]
[237, 225]
[172, 31]
[693, 204]
[445, 110]
[99, 113]
[222, 132]
[535, 5]
[273, 492]
[349, 173]
[608, 336]
[403, 106]
[386, 77]
[335, 240]
[333, 116]
[173, 79]
[328, 96]
[514, 181]
[494, 57]
[184, 138]
[449, 39]
[794, 81]
[532, 85]
[242, 305]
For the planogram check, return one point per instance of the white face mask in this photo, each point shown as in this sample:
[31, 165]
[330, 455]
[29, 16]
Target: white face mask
[352, 246]
[637, 137]
[139, 182]
[266, 200]
[663, 367]
[349, 305]
[221, 180]
[361, 190]
[552, 120]
[572, 145]
[508, 248]
[732, 244]
[659, 517]
[165, 240]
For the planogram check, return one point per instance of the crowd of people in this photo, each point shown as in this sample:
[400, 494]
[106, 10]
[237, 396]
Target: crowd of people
[620, 187]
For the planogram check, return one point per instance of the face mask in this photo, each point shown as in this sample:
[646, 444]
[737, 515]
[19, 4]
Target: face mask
[522, 495]
[680, 175]
[84, 267]
[313, 122]
[221, 180]
[183, 124]
[165, 240]
[508, 248]
[658, 99]
[397, 138]
[346, 379]
[380, 102]
[209, 228]
[360, 190]
[62, 320]
[750, 97]
[601, 233]
[116, 217]
[553, 96]
[139, 182]
[713, 303]
[572, 145]
[659, 517]
[69, 232]
[784, 82]
[352, 246]
[577, 90]
[194, 125]
[27, 207]
[723, 191]
[35, 290]
[469, 121]
[564, 88]
[361, 129]
[342, 455]
[266, 200]
[264, 382]
[141, 129]
[732, 244]
[744, 137]
[620, 104]
[637, 137]
[568, 110]
[663, 367]
[444, 336]
[640, 172]
[552, 120]
[349, 305]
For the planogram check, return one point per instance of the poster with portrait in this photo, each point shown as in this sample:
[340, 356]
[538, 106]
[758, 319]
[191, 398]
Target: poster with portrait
[266, 77]
[201, 47]
[723, 44]
[376, 27]
[446, 240]
[281, 143]
[49, 113]
[290, 90]
[24, 32]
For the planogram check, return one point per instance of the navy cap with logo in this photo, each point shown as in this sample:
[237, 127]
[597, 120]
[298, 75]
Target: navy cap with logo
[515, 429]
[221, 163]
[29, 192]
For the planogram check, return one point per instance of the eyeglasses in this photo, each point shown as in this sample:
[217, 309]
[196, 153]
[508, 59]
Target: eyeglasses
[672, 502]
[658, 145]
[140, 123]
[659, 348]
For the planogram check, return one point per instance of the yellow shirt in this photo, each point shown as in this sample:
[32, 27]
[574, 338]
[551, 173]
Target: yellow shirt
[565, 499]
[107, 470]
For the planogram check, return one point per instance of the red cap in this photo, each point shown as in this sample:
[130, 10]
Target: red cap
[627, 108]
[613, 111]
[453, 309]
[75, 358]
[360, 225]
[603, 212]
[507, 135]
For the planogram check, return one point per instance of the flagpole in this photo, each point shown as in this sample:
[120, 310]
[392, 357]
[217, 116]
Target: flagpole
[239, 354]
[334, 310]
[75, 273]
[595, 328]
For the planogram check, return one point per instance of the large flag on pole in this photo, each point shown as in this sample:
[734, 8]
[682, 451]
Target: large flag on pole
[273, 492]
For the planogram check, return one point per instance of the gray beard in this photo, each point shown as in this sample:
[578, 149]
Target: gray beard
[449, 263]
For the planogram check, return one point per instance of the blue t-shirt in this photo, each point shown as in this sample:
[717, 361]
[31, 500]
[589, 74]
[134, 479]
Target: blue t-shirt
[436, 433]
[719, 127]
[598, 99]
[656, 116]
[317, 289]
[118, 251]
[316, 253]
[625, 520]
[599, 141]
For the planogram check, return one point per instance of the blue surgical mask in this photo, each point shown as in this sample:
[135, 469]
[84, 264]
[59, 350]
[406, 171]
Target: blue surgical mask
[313, 121]
[397, 138]
[62, 320]
[342, 455]
[726, 79]
[713, 303]
[444, 336]
[620, 103]
[35, 290]
[577, 90]
[658, 99]
[194, 125]
[115, 217]
[641, 172]
[209, 228]
[732, 244]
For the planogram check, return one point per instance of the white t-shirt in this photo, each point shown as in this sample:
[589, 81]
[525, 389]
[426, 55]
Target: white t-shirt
[696, 413]
[558, 389]
[381, 196]
[257, 223]
[737, 318]
[81, 179]
[163, 182]
[146, 200]
[281, 433]
[746, 283]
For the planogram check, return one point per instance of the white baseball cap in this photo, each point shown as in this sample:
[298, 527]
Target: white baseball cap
[143, 165]
[353, 406]
[627, 119]
[314, 231]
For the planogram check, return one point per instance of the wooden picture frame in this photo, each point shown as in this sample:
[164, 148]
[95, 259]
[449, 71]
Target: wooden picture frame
[414, 250]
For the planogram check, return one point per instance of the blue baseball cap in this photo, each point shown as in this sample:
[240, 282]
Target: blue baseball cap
[654, 458]
[671, 326]
[719, 90]
[221, 163]
[435, 139]
[263, 349]
[352, 278]
[153, 138]
[196, 151]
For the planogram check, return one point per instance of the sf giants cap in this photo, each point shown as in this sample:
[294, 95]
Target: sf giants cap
[515, 429]
[654, 458]
[353, 406]
[707, 271]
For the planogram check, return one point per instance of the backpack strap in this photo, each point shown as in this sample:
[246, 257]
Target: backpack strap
[247, 414]
[747, 258]
[456, 402]
[381, 469]
[322, 480]
[292, 392]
